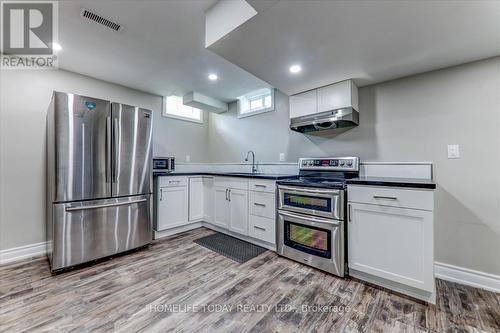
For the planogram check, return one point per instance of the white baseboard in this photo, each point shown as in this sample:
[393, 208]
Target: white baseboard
[467, 276]
[23, 252]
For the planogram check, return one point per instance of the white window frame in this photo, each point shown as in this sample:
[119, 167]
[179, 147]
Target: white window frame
[245, 99]
[174, 116]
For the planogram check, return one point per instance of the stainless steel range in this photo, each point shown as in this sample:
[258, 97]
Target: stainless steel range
[312, 213]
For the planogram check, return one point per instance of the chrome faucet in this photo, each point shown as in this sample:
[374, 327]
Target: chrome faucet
[254, 167]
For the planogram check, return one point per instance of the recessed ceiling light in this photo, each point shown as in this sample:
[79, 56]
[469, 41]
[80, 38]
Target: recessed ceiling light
[212, 77]
[56, 47]
[295, 69]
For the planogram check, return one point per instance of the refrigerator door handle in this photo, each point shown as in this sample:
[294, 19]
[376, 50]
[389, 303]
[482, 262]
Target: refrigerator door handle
[116, 150]
[108, 150]
[114, 204]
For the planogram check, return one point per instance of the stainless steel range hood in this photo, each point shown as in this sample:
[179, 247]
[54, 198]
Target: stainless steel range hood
[326, 123]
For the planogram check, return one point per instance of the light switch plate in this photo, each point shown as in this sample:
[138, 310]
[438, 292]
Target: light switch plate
[282, 157]
[188, 158]
[453, 151]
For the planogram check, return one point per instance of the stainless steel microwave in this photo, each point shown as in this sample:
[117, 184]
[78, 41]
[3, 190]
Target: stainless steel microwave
[163, 164]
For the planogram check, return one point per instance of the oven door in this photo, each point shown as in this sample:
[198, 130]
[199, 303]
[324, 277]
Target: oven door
[318, 202]
[314, 241]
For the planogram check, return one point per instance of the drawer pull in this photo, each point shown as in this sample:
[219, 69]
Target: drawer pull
[174, 181]
[259, 204]
[260, 228]
[384, 197]
[260, 185]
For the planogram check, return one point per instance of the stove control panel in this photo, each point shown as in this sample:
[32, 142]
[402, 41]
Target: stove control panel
[330, 164]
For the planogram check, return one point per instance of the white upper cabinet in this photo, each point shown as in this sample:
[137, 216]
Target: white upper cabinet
[303, 104]
[332, 97]
[337, 96]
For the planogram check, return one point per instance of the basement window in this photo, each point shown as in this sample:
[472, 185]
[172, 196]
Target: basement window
[175, 109]
[256, 102]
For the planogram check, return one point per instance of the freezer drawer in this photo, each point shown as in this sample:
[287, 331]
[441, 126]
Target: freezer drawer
[88, 230]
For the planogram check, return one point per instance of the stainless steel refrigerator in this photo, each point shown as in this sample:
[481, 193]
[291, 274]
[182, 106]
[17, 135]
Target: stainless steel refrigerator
[99, 179]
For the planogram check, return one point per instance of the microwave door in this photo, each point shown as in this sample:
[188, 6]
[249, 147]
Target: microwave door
[132, 150]
[78, 129]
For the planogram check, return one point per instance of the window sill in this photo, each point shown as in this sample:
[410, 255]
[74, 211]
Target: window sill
[191, 120]
[254, 113]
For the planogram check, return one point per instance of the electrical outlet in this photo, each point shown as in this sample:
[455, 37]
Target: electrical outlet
[282, 157]
[453, 151]
[188, 158]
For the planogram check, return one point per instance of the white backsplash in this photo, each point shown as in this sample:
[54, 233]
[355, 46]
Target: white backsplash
[269, 168]
[367, 169]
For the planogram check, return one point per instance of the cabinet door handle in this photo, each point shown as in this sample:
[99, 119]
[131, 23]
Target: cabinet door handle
[161, 194]
[229, 194]
[260, 228]
[349, 213]
[384, 197]
[226, 195]
[259, 204]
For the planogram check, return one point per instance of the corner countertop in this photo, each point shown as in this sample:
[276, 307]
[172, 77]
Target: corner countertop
[394, 182]
[227, 174]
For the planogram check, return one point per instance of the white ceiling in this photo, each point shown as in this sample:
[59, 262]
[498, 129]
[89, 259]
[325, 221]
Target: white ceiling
[161, 49]
[370, 41]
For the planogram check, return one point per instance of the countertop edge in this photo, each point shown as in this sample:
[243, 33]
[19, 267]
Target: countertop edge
[393, 183]
[222, 174]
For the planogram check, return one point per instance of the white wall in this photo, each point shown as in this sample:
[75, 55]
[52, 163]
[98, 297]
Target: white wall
[410, 119]
[24, 97]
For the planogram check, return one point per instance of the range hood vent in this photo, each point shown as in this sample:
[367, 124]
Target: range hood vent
[100, 19]
[326, 123]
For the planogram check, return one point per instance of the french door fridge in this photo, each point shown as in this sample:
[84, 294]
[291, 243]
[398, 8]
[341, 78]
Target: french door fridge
[99, 179]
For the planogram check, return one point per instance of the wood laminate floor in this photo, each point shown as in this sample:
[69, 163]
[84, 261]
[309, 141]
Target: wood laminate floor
[165, 287]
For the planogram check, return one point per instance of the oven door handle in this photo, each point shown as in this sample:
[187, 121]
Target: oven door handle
[309, 218]
[303, 189]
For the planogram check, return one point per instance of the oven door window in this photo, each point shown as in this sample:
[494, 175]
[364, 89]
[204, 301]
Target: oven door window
[311, 240]
[307, 202]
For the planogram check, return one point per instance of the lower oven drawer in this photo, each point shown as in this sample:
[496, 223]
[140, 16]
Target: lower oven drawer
[317, 242]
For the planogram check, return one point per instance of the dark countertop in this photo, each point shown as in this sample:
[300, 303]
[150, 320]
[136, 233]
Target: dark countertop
[394, 182]
[228, 174]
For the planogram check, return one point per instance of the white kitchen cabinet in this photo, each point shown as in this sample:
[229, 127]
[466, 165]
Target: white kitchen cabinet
[303, 104]
[338, 95]
[209, 199]
[222, 207]
[389, 245]
[238, 201]
[172, 207]
[196, 199]
[262, 228]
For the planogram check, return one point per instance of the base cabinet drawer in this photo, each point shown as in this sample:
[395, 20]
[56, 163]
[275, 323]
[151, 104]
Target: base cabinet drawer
[262, 185]
[262, 204]
[172, 181]
[390, 196]
[262, 228]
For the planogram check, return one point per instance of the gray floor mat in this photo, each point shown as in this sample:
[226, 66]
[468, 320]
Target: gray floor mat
[230, 247]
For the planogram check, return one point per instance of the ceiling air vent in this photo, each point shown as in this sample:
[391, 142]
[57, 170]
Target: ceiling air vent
[85, 13]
